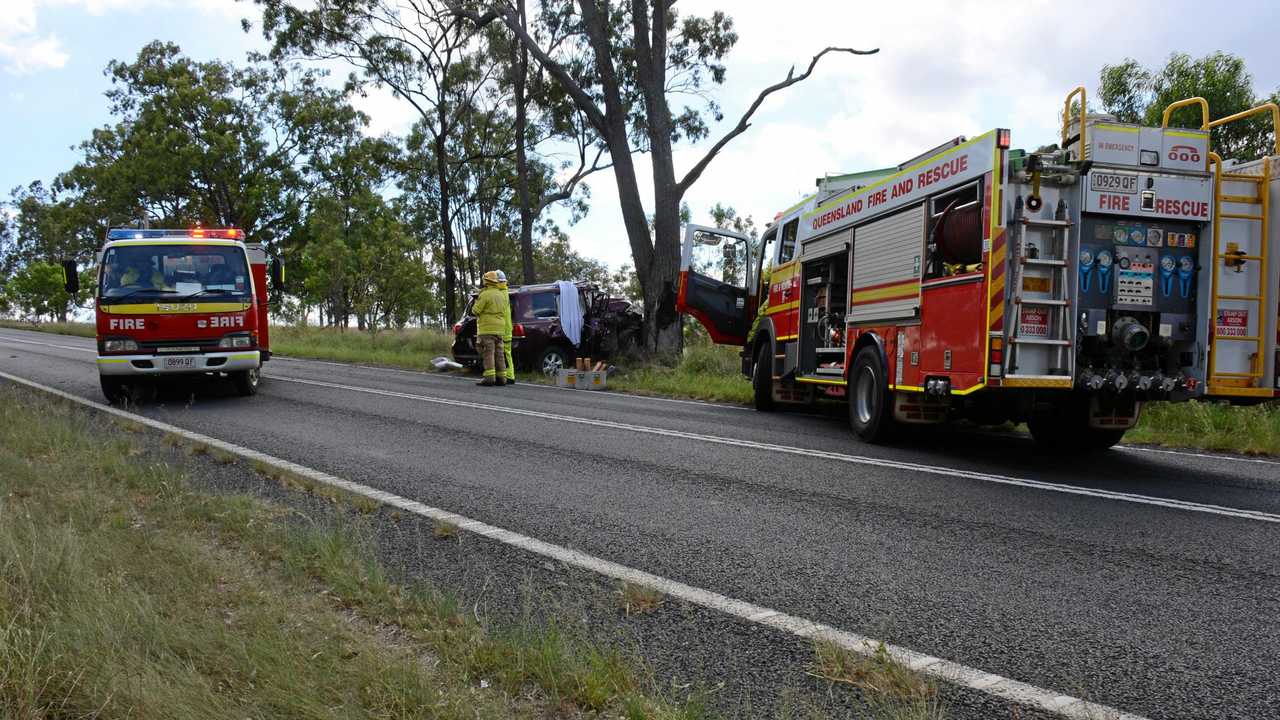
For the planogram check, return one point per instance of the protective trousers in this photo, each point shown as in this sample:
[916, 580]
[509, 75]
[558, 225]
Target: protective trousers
[511, 365]
[493, 356]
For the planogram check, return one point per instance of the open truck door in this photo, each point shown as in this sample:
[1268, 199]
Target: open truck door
[718, 282]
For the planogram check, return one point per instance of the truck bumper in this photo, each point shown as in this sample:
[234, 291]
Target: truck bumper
[139, 365]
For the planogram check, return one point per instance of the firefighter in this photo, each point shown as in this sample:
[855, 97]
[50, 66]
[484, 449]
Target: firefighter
[492, 310]
[506, 336]
[140, 273]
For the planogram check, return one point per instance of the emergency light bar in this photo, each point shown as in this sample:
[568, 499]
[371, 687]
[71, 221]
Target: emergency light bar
[198, 233]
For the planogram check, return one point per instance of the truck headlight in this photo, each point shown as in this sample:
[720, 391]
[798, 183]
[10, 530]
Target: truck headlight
[119, 345]
[235, 341]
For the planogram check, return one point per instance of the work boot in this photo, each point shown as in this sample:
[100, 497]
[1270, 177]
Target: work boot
[511, 381]
[486, 383]
[500, 382]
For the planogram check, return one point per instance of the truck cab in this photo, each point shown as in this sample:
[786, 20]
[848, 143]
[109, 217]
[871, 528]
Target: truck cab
[180, 303]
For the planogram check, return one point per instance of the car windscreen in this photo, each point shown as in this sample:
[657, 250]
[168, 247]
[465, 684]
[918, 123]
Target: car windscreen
[174, 272]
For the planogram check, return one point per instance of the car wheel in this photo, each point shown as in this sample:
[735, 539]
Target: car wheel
[870, 409]
[246, 381]
[115, 389]
[554, 358]
[762, 378]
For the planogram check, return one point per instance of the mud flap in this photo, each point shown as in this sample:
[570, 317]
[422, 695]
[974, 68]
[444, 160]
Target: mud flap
[1113, 413]
[919, 409]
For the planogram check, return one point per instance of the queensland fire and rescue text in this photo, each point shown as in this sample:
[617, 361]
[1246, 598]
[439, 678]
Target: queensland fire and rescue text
[901, 188]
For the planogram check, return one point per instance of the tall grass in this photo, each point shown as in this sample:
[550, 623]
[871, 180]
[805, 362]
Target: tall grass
[125, 592]
[705, 372]
[1252, 430]
[410, 348]
[59, 328]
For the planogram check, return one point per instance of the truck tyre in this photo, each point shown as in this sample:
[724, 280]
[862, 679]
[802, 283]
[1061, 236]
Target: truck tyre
[870, 401]
[553, 358]
[115, 389]
[762, 378]
[246, 381]
[1067, 430]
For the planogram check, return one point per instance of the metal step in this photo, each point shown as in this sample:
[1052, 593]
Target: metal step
[1045, 262]
[1050, 303]
[1038, 341]
[1046, 223]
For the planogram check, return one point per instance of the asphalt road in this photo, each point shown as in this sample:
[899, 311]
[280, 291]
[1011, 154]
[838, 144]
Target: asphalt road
[1130, 578]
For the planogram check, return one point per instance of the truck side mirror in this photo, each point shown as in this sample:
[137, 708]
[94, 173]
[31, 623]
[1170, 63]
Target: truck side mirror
[277, 274]
[70, 277]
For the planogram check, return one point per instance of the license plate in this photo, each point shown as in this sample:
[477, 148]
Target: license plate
[179, 363]
[1111, 182]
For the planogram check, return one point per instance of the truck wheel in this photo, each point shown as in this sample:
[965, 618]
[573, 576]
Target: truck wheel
[115, 389]
[1067, 429]
[762, 379]
[246, 381]
[870, 402]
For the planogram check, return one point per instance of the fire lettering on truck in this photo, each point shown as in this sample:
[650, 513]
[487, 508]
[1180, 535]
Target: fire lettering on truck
[127, 324]
[221, 321]
[1107, 201]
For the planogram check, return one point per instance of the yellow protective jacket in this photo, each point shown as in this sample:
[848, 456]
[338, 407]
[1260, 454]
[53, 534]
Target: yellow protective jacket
[493, 311]
[506, 308]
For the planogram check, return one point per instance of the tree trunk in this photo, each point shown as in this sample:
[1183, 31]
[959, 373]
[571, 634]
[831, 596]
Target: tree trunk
[446, 225]
[522, 161]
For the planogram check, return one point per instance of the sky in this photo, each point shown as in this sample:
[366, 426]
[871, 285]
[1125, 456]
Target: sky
[944, 69]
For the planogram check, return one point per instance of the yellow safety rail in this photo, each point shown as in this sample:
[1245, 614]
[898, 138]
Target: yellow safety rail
[1264, 107]
[1245, 383]
[1204, 111]
[1240, 384]
[1066, 118]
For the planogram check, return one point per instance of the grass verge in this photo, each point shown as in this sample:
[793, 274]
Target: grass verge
[412, 349]
[891, 690]
[1251, 430]
[126, 591]
[57, 328]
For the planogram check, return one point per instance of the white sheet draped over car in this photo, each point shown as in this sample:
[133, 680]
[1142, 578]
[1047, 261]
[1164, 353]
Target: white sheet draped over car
[571, 312]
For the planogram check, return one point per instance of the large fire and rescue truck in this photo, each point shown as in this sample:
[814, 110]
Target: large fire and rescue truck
[180, 302]
[1062, 287]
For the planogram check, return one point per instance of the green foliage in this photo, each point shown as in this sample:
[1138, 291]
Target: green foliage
[1137, 94]
[37, 291]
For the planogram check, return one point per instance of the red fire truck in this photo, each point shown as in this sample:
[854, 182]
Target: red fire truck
[180, 302]
[1062, 288]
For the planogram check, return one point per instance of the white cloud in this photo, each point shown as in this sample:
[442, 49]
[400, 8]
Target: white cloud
[945, 68]
[24, 50]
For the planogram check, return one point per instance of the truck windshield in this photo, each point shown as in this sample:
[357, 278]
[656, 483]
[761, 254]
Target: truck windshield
[172, 272]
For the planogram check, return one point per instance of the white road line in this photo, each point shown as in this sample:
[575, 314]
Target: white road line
[1002, 687]
[823, 454]
[611, 395]
[1126, 448]
[1206, 456]
[53, 345]
[415, 373]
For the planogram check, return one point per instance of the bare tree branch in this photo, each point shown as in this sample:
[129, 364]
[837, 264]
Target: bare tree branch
[745, 121]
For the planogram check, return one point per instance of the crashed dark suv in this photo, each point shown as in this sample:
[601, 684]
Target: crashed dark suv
[609, 325]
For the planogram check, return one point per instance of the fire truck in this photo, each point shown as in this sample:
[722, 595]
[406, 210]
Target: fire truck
[1063, 287]
[179, 303]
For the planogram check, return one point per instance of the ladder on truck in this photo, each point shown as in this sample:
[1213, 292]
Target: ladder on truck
[1239, 306]
[1041, 342]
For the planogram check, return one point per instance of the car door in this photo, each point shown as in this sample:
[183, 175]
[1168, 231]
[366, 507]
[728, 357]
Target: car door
[717, 280]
